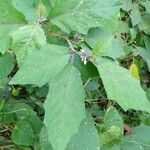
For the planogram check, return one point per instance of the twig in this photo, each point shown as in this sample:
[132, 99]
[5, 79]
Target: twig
[73, 51]
[57, 35]
[29, 101]
[87, 82]
[6, 145]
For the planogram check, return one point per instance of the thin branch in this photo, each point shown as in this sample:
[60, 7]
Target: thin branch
[73, 51]
[58, 35]
[6, 146]
[29, 101]
[70, 45]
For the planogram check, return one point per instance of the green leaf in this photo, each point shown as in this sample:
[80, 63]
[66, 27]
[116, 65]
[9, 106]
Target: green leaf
[127, 5]
[23, 134]
[41, 67]
[52, 2]
[44, 142]
[140, 140]
[64, 108]
[112, 128]
[145, 54]
[9, 20]
[27, 39]
[147, 42]
[6, 69]
[111, 25]
[25, 112]
[5, 38]
[6, 115]
[144, 25]
[113, 118]
[86, 138]
[81, 15]
[111, 135]
[147, 5]
[104, 44]
[29, 8]
[116, 147]
[87, 71]
[2, 102]
[121, 86]
[135, 15]
[8, 14]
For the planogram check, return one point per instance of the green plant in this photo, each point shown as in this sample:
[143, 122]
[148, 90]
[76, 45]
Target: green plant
[89, 59]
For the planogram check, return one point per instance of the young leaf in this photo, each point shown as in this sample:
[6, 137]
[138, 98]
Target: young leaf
[64, 108]
[112, 127]
[104, 44]
[27, 39]
[41, 67]
[113, 118]
[121, 86]
[41, 10]
[81, 15]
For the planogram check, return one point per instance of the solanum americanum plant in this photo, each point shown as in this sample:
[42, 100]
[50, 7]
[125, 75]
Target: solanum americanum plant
[74, 74]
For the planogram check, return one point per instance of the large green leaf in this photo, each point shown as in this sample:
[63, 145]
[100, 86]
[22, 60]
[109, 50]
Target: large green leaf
[121, 86]
[26, 40]
[41, 67]
[80, 15]
[8, 14]
[9, 19]
[86, 138]
[29, 8]
[6, 65]
[64, 108]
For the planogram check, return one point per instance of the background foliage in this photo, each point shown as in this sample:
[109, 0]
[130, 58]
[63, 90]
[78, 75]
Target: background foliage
[74, 74]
